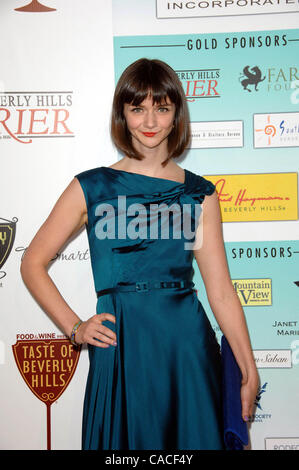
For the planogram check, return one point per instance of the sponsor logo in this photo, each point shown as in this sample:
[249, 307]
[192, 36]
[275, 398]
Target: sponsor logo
[286, 328]
[25, 116]
[7, 237]
[213, 134]
[253, 292]
[251, 77]
[262, 389]
[276, 130]
[272, 79]
[197, 84]
[257, 197]
[273, 359]
[282, 79]
[63, 256]
[35, 7]
[194, 9]
[259, 416]
[282, 443]
[47, 365]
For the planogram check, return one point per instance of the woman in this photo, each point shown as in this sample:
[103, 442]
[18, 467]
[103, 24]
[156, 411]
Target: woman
[154, 380]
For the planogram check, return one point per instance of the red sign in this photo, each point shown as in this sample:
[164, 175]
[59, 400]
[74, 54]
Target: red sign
[47, 366]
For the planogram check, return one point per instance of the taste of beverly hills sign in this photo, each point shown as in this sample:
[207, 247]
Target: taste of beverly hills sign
[47, 365]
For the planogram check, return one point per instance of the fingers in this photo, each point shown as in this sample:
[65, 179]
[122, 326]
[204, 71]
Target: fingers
[248, 395]
[103, 331]
[93, 332]
[246, 411]
[105, 316]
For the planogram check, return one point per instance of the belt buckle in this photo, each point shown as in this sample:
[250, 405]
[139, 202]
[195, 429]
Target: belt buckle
[142, 286]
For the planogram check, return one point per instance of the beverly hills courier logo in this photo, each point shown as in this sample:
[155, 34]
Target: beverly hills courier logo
[47, 366]
[35, 114]
[202, 83]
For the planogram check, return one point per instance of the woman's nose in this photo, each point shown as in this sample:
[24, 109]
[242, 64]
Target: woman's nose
[150, 120]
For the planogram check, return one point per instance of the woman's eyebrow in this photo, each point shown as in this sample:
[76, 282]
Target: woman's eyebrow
[164, 104]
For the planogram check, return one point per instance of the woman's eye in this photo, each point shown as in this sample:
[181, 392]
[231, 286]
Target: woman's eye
[136, 110]
[163, 110]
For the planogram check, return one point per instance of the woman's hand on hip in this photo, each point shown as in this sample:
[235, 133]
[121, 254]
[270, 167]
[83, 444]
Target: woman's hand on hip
[93, 332]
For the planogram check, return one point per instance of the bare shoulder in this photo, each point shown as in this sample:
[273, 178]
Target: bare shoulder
[67, 216]
[73, 199]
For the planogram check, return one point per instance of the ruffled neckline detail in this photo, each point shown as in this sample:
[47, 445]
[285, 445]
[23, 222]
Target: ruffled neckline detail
[194, 186]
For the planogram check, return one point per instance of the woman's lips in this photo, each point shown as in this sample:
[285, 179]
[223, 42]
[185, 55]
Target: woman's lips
[149, 134]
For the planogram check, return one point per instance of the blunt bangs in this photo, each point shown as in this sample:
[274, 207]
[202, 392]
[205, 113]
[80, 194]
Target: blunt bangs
[151, 82]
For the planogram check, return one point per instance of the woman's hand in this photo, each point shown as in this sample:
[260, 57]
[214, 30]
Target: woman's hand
[93, 332]
[249, 390]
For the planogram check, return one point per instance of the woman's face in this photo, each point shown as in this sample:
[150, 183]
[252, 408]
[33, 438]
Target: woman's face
[149, 124]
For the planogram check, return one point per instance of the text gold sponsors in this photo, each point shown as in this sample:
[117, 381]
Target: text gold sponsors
[257, 197]
[253, 292]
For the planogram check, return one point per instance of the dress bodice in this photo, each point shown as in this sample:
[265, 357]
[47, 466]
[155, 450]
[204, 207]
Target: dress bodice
[141, 227]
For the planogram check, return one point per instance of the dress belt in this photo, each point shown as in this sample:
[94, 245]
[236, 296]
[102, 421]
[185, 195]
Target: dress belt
[144, 286]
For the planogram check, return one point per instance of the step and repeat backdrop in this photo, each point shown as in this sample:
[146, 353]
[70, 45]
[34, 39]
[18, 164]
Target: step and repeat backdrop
[240, 72]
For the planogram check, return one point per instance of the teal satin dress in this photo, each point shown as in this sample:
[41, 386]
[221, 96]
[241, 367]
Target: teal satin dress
[160, 387]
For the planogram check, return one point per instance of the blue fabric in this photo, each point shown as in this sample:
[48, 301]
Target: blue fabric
[160, 387]
[235, 428]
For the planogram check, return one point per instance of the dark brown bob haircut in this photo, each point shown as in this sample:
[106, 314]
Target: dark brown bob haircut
[156, 79]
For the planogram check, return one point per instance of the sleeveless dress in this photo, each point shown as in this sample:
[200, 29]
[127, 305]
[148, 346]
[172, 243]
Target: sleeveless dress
[160, 387]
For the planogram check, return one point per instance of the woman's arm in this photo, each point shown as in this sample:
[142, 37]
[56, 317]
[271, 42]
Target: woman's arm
[223, 299]
[66, 218]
